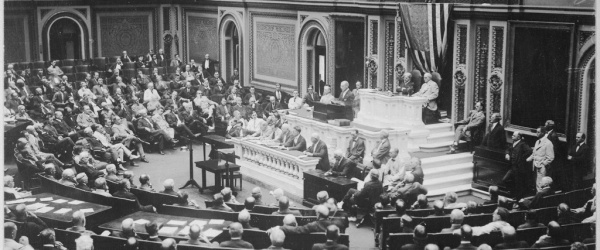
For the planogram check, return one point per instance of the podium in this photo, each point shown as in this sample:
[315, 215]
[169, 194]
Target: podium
[315, 181]
[324, 112]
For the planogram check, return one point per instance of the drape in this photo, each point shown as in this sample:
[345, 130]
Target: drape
[426, 30]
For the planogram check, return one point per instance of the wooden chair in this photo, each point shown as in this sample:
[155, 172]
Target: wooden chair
[306, 241]
[66, 237]
[476, 220]
[259, 239]
[491, 239]
[531, 235]
[397, 240]
[235, 207]
[153, 198]
[379, 214]
[264, 209]
[28, 171]
[389, 226]
[445, 240]
[108, 242]
[198, 213]
[112, 186]
[577, 231]
[552, 200]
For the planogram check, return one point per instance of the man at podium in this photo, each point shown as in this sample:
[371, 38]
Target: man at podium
[319, 149]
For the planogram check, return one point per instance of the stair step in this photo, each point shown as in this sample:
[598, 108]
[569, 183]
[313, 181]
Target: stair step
[445, 171]
[440, 137]
[448, 181]
[439, 193]
[446, 160]
[439, 146]
[439, 127]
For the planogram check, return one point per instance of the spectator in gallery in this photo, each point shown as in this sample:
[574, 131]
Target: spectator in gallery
[257, 96]
[405, 86]
[297, 142]
[208, 65]
[327, 97]
[236, 230]
[467, 129]
[271, 106]
[333, 234]
[295, 101]
[495, 136]
[430, 91]
[311, 96]
[356, 147]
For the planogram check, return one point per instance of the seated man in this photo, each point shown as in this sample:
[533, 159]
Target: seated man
[364, 198]
[10, 234]
[323, 198]
[438, 209]
[145, 183]
[311, 96]
[499, 218]
[127, 230]
[421, 203]
[297, 142]
[184, 200]
[589, 209]
[295, 101]
[79, 223]
[196, 236]
[284, 207]
[509, 235]
[342, 166]
[531, 220]
[466, 233]
[467, 128]
[68, 178]
[408, 189]
[277, 238]
[320, 225]
[290, 220]
[249, 204]
[400, 207]
[450, 201]
[244, 219]
[420, 239]
[101, 187]
[327, 97]
[356, 148]
[564, 215]
[228, 196]
[236, 230]
[111, 173]
[456, 220]
[48, 240]
[552, 238]
[534, 202]
[169, 184]
[257, 195]
[123, 192]
[219, 204]
[152, 231]
[10, 189]
[333, 234]
[82, 182]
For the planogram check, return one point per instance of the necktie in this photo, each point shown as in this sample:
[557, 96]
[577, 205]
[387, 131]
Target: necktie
[577, 149]
[352, 144]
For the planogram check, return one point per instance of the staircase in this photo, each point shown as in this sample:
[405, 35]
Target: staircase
[447, 173]
[440, 138]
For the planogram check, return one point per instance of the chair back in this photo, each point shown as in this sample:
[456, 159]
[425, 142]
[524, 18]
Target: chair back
[546, 214]
[99, 63]
[108, 242]
[306, 241]
[129, 65]
[577, 231]
[235, 207]
[397, 240]
[434, 224]
[259, 239]
[486, 208]
[379, 214]
[445, 240]
[198, 213]
[516, 218]
[145, 71]
[491, 239]
[80, 76]
[552, 200]
[530, 235]
[112, 186]
[264, 209]
[66, 237]
[420, 212]
[388, 226]
[208, 203]
[129, 73]
[476, 220]
[578, 198]
[149, 245]
[153, 198]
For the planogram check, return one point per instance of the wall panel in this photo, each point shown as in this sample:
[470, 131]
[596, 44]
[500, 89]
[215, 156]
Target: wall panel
[124, 31]
[203, 36]
[16, 41]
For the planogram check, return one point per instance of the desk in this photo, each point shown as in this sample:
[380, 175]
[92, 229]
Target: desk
[216, 141]
[384, 111]
[272, 166]
[214, 167]
[64, 220]
[324, 112]
[315, 181]
[490, 166]
[115, 225]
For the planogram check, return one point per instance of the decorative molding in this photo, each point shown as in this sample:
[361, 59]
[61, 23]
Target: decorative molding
[583, 37]
[583, 85]
[83, 11]
[231, 16]
[460, 74]
[460, 79]
[44, 13]
[129, 31]
[308, 25]
[481, 63]
[389, 55]
[496, 78]
[370, 65]
[15, 28]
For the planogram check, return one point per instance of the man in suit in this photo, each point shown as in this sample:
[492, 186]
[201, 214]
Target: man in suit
[520, 172]
[208, 65]
[125, 57]
[295, 101]
[147, 127]
[466, 233]
[333, 234]
[297, 142]
[280, 96]
[356, 148]
[364, 198]
[496, 135]
[272, 105]
[534, 203]
[162, 59]
[123, 192]
[578, 161]
[346, 98]
[420, 239]
[286, 135]
[318, 149]
[342, 165]
[456, 220]
[542, 156]
[311, 96]
[212, 80]
[284, 207]
[236, 230]
[408, 189]
[509, 235]
[154, 63]
[382, 150]
[429, 90]
[252, 93]
[177, 122]
[467, 128]
[118, 65]
[320, 225]
[552, 238]
[219, 89]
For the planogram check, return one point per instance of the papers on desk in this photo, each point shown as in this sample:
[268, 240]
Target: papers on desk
[59, 201]
[216, 222]
[87, 210]
[177, 222]
[200, 223]
[21, 201]
[167, 230]
[46, 199]
[63, 211]
[211, 233]
[29, 199]
[35, 206]
[228, 140]
[184, 231]
[360, 184]
[43, 210]
[141, 222]
[76, 202]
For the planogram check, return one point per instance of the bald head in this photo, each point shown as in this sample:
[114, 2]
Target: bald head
[284, 203]
[420, 232]
[290, 220]
[422, 200]
[127, 225]
[236, 230]
[168, 244]
[78, 219]
[438, 206]
[509, 233]
[457, 216]
[333, 233]
[244, 216]
[400, 207]
[169, 184]
[68, 174]
[466, 232]
[432, 247]
[249, 203]
[195, 231]
[554, 229]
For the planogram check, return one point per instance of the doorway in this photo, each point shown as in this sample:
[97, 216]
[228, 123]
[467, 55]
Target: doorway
[316, 56]
[65, 40]
[232, 51]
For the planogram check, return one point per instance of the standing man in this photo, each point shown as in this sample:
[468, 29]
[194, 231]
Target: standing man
[319, 149]
[356, 148]
[125, 57]
[162, 59]
[542, 156]
[429, 90]
[280, 96]
[382, 151]
[520, 172]
[311, 96]
[577, 161]
[495, 136]
[208, 65]
[295, 101]
[346, 98]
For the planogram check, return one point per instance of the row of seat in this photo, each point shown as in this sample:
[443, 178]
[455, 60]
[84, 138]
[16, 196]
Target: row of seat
[572, 232]
[261, 209]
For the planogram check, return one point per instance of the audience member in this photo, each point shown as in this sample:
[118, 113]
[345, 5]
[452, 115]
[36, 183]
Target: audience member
[10, 234]
[438, 209]
[333, 234]
[145, 183]
[9, 188]
[420, 239]
[257, 195]
[408, 189]
[48, 240]
[277, 238]
[552, 238]
[84, 242]
[228, 196]
[197, 238]
[284, 207]
[235, 231]
[367, 197]
[78, 222]
[244, 219]
[249, 203]
[450, 201]
[499, 218]
[509, 235]
[82, 182]
[68, 178]
[168, 244]
[169, 185]
[421, 203]
[589, 209]
[531, 220]
[465, 238]
[101, 187]
[545, 189]
[564, 215]
[123, 188]
[290, 220]
[127, 230]
[456, 220]
[219, 204]
[152, 231]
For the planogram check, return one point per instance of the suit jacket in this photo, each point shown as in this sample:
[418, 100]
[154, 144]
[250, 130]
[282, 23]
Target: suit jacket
[300, 145]
[512, 245]
[451, 228]
[237, 243]
[171, 119]
[211, 66]
[269, 107]
[518, 156]
[243, 110]
[311, 98]
[410, 192]
[222, 111]
[369, 195]
[495, 138]
[537, 199]
[320, 151]
[142, 124]
[382, 152]
[429, 90]
[579, 158]
[474, 120]
[543, 153]
[188, 93]
[257, 96]
[356, 151]
[347, 97]
[216, 91]
[329, 245]
[342, 167]
[312, 227]
[466, 246]
[61, 127]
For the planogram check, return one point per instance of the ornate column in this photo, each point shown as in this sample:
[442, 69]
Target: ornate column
[460, 69]
[496, 70]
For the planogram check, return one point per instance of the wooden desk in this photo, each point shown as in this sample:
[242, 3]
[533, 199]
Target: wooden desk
[315, 181]
[216, 168]
[64, 220]
[161, 219]
[490, 166]
[217, 142]
[324, 112]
